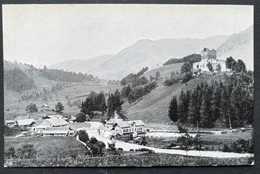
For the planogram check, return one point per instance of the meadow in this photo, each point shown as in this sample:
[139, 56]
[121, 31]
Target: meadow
[68, 152]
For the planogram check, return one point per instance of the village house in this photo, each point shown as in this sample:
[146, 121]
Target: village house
[25, 123]
[10, 123]
[209, 56]
[45, 107]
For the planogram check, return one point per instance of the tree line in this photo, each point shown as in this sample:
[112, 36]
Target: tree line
[135, 79]
[97, 102]
[208, 105]
[190, 58]
[17, 80]
[134, 94]
[61, 75]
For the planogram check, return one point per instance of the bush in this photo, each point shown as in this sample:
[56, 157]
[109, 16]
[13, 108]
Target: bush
[240, 146]
[171, 81]
[10, 153]
[59, 107]
[182, 129]
[32, 108]
[83, 136]
[93, 140]
[96, 147]
[226, 148]
[186, 77]
[27, 152]
[80, 117]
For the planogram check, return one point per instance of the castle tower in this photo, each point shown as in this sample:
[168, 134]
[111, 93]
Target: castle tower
[207, 54]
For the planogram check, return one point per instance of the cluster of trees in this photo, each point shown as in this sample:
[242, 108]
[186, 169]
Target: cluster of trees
[133, 94]
[31, 108]
[229, 105]
[61, 75]
[185, 76]
[57, 87]
[114, 103]
[29, 95]
[135, 79]
[59, 107]
[94, 102]
[138, 92]
[96, 148]
[97, 102]
[236, 66]
[190, 58]
[17, 80]
[81, 117]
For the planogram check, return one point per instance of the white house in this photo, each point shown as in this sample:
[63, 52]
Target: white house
[121, 127]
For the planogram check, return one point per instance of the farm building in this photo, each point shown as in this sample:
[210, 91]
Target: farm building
[10, 123]
[25, 123]
[50, 123]
[58, 131]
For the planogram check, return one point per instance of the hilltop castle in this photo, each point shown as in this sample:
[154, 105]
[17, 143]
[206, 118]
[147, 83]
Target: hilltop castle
[209, 56]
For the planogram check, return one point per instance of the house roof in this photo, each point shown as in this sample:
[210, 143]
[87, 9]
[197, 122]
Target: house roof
[57, 121]
[53, 116]
[50, 122]
[138, 122]
[25, 122]
[123, 123]
[10, 121]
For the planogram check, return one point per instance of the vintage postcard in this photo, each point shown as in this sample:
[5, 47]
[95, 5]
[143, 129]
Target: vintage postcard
[104, 85]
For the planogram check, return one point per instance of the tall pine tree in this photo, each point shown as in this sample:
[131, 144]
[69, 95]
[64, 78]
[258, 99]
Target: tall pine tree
[173, 110]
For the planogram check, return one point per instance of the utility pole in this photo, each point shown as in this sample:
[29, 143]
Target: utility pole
[229, 120]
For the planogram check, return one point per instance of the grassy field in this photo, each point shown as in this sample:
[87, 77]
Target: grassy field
[48, 147]
[136, 160]
[67, 151]
[73, 92]
[165, 71]
[209, 141]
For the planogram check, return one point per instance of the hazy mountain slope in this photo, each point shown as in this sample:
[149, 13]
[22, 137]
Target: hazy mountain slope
[152, 54]
[83, 66]
[239, 46]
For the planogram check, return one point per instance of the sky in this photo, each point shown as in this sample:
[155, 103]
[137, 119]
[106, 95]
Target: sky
[49, 34]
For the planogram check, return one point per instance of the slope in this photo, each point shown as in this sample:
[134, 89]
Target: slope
[239, 46]
[83, 66]
[153, 108]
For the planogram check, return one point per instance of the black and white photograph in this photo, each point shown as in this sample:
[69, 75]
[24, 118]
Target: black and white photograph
[128, 85]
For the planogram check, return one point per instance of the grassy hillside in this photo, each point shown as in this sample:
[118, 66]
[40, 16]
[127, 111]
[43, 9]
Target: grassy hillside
[153, 108]
[70, 92]
[165, 71]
